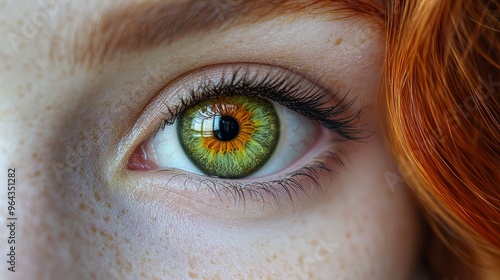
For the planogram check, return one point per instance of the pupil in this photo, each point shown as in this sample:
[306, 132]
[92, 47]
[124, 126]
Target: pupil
[225, 128]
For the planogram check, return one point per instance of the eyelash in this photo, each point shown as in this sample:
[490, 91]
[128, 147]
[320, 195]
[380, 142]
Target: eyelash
[285, 187]
[310, 101]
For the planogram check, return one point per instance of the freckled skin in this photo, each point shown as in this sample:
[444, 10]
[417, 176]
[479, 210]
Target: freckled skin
[61, 125]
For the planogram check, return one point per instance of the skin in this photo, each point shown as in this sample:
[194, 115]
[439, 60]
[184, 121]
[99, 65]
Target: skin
[81, 215]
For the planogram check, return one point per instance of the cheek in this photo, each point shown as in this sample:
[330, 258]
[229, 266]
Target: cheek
[376, 219]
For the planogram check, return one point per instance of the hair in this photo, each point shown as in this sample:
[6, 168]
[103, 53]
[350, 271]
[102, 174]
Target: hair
[440, 93]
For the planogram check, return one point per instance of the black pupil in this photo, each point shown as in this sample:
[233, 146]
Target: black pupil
[225, 128]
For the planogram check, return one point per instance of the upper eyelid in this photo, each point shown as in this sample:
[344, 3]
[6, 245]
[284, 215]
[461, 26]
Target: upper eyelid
[316, 97]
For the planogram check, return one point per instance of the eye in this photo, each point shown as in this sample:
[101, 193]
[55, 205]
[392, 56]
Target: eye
[254, 125]
[233, 137]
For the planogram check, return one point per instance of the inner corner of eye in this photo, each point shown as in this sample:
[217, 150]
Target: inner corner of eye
[142, 159]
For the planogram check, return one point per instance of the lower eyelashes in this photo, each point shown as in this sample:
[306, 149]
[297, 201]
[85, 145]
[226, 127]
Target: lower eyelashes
[251, 130]
[266, 194]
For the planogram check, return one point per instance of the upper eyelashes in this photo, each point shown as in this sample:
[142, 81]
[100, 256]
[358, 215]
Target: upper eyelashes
[287, 88]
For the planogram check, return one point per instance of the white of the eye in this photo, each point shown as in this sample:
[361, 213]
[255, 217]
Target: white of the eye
[169, 152]
[296, 137]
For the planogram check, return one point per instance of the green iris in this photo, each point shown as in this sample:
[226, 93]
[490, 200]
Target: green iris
[229, 137]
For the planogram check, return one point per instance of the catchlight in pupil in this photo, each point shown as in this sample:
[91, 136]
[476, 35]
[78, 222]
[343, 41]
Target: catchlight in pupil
[229, 137]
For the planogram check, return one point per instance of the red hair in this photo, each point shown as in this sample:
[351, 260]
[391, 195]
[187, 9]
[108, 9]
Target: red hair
[442, 101]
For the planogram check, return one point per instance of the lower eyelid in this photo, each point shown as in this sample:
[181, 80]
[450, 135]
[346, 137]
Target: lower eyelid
[243, 198]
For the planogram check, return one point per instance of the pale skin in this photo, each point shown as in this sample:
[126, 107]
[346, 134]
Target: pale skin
[68, 131]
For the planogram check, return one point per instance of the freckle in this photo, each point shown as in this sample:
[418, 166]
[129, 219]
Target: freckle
[192, 263]
[108, 204]
[62, 236]
[82, 206]
[128, 268]
[105, 235]
[97, 196]
[106, 219]
[48, 238]
[92, 211]
[193, 275]
[37, 173]
[348, 234]
[48, 108]
[354, 248]
[301, 260]
[93, 229]
[339, 41]
[120, 214]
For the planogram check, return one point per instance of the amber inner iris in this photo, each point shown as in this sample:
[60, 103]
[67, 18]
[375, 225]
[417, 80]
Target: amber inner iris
[229, 137]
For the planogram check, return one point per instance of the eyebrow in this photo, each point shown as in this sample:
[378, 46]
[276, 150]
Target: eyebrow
[140, 27]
